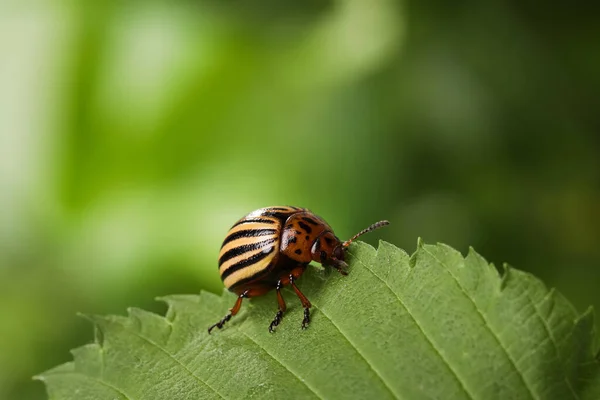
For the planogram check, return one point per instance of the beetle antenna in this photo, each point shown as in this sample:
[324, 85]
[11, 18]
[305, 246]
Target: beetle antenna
[376, 225]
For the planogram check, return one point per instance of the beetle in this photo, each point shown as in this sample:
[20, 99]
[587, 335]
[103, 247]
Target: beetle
[271, 247]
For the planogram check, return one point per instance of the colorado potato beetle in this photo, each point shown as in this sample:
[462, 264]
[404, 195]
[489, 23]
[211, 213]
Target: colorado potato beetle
[271, 247]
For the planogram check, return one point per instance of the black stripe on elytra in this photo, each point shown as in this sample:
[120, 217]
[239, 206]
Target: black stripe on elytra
[256, 220]
[236, 251]
[257, 275]
[281, 216]
[306, 228]
[248, 233]
[246, 262]
[269, 273]
[269, 269]
[310, 220]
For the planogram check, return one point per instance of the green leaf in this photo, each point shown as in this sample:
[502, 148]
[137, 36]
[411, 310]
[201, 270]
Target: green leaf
[431, 325]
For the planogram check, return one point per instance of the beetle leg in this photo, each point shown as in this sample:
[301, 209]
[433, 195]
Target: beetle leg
[282, 308]
[305, 303]
[232, 311]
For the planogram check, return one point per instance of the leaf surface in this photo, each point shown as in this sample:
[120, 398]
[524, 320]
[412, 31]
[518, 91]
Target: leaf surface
[431, 325]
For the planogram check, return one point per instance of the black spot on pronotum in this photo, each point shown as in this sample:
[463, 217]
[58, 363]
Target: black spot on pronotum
[329, 241]
[306, 228]
[307, 237]
[298, 232]
[292, 239]
[323, 256]
[310, 220]
[298, 251]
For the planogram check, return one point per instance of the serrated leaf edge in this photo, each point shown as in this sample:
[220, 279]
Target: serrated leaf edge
[98, 321]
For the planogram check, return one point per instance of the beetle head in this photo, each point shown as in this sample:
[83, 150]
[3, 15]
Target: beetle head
[339, 252]
[331, 251]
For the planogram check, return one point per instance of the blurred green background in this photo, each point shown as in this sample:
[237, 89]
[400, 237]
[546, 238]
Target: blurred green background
[133, 134]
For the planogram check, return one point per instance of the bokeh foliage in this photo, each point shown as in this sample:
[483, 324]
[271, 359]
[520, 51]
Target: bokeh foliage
[133, 134]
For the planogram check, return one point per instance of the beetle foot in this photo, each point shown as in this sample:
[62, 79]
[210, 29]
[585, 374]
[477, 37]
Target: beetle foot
[276, 321]
[306, 319]
[220, 323]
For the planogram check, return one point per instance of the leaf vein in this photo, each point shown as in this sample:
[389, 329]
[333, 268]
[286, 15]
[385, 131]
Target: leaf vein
[358, 352]
[427, 338]
[172, 357]
[555, 345]
[283, 365]
[484, 319]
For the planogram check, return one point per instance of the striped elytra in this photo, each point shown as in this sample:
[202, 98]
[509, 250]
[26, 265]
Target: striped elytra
[271, 247]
